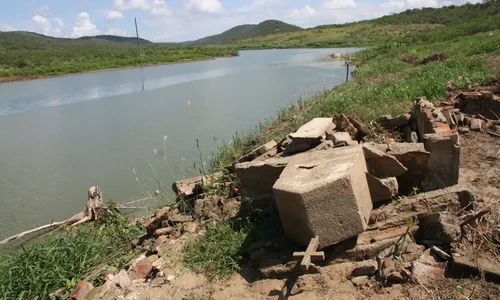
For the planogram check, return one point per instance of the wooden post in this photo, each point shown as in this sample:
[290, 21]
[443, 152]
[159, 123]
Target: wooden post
[138, 44]
[310, 254]
[347, 73]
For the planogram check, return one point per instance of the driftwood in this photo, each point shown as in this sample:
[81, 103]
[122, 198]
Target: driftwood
[93, 211]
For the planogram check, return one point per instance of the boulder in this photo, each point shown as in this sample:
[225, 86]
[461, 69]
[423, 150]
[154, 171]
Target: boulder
[443, 166]
[382, 189]
[81, 290]
[380, 164]
[412, 156]
[256, 182]
[440, 227]
[309, 135]
[324, 194]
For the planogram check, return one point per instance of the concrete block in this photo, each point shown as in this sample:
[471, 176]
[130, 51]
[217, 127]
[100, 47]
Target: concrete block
[443, 166]
[324, 194]
[382, 189]
[380, 164]
[309, 135]
[257, 152]
[256, 182]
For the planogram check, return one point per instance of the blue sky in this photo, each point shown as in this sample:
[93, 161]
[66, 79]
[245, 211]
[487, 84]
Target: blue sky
[182, 20]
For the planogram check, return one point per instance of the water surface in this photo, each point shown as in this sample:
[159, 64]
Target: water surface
[58, 136]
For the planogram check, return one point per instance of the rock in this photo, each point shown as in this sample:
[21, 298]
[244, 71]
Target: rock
[440, 253]
[495, 128]
[258, 255]
[463, 130]
[411, 251]
[430, 120]
[122, 279]
[167, 249]
[380, 164]
[140, 269]
[158, 264]
[107, 291]
[81, 290]
[155, 221]
[389, 122]
[339, 137]
[356, 122]
[465, 266]
[177, 218]
[99, 271]
[343, 124]
[414, 158]
[382, 189]
[257, 152]
[438, 227]
[443, 166]
[336, 55]
[398, 276]
[309, 135]
[360, 280]
[159, 241]
[476, 124]
[368, 267]
[425, 273]
[206, 208]
[324, 194]
[190, 227]
[256, 183]
[163, 231]
[188, 188]
[484, 103]
[409, 135]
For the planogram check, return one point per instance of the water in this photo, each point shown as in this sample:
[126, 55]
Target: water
[58, 136]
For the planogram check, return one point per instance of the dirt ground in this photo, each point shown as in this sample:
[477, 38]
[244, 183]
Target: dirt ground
[480, 171]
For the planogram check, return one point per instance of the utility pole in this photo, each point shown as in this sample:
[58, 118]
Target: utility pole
[138, 44]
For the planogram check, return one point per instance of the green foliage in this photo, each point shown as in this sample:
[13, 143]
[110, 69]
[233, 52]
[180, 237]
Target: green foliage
[242, 32]
[27, 54]
[220, 251]
[61, 260]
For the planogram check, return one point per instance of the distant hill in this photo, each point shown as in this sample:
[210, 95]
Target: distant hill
[117, 39]
[32, 39]
[248, 31]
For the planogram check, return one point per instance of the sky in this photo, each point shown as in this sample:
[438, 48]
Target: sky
[185, 20]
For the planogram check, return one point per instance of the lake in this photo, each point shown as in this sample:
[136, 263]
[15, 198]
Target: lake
[61, 135]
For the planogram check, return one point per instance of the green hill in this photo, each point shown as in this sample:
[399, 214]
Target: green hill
[117, 39]
[247, 31]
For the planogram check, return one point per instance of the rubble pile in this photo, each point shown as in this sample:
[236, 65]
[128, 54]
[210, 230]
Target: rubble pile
[394, 207]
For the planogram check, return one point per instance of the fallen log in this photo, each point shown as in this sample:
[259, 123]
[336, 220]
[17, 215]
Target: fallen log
[94, 207]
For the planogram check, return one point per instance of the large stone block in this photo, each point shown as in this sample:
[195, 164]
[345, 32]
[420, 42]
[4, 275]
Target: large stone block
[309, 135]
[429, 119]
[443, 165]
[380, 164]
[256, 182]
[324, 194]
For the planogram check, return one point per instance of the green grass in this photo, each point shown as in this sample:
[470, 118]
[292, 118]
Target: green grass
[61, 260]
[221, 250]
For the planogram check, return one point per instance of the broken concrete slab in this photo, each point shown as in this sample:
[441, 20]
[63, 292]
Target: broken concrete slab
[443, 166]
[324, 194]
[309, 135]
[412, 156]
[257, 152]
[380, 164]
[465, 266]
[382, 189]
[189, 187]
[256, 182]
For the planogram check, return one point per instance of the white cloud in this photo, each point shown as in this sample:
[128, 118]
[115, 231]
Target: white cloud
[422, 3]
[301, 16]
[41, 24]
[256, 4]
[335, 4]
[84, 26]
[43, 10]
[203, 6]
[394, 4]
[59, 21]
[160, 8]
[131, 4]
[115, 31]
[113, 15]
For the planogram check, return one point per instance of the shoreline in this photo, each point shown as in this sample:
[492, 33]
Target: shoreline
[11, 79]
